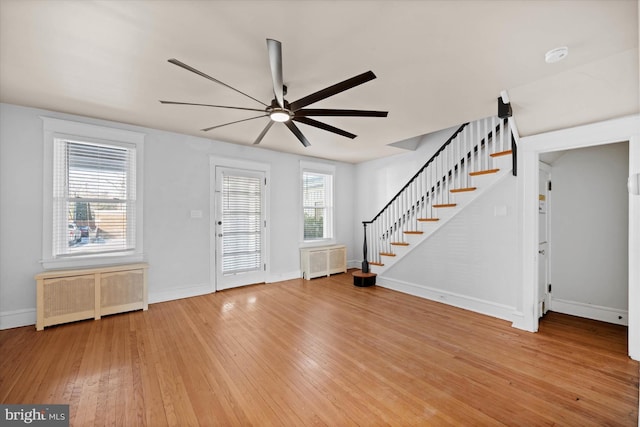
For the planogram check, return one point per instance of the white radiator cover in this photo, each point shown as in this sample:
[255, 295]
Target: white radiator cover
[69, 295]
[323, 261]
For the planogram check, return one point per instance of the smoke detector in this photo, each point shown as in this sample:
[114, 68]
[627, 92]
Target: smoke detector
[555, 55]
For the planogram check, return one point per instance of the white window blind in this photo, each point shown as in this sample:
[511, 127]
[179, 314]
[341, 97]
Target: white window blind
[317, 195]
[94, 198]
[242, 224]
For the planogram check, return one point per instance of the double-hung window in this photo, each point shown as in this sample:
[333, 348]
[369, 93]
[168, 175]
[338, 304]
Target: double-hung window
[317, 202]
[92, 194]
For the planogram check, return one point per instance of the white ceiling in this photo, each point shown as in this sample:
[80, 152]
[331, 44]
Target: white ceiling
[438, 63]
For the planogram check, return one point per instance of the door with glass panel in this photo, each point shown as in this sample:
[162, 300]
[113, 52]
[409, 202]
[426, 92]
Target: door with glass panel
[240, 227]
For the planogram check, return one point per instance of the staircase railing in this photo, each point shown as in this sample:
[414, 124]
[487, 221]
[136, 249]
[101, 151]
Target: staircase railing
[469, 151]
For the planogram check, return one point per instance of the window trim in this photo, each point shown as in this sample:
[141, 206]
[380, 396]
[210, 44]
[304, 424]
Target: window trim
[54, 129]
[325, 169]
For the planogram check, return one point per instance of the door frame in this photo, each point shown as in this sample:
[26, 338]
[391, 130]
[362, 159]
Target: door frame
[235, 163]
[547, 297]
[601, 133]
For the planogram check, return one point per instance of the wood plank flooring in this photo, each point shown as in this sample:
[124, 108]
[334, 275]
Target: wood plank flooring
[322, 352]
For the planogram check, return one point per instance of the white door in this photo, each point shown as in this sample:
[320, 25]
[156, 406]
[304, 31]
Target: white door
[543, 241]
[239, 227]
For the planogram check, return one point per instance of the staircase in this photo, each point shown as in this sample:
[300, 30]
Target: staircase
[477, 155]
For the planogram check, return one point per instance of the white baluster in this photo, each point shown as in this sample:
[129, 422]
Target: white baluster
[378, 230]
[457, 178]
[447, 168]
[472, 137]
[481, 134]
[443, 174]
[439, 176]
[486, 145]
[465, 168]
[401, 210]
[385, 227]
[495, 127]
[419, 192]
[501, 145]
[398, 222]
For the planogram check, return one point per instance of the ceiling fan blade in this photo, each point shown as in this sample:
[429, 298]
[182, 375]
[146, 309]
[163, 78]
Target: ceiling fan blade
[275, 61]
[264, 132]
[293, 128]
[332, 90]
[200, 73]
[210, 105]
[324, 126]
[339, 113]
[230, 123]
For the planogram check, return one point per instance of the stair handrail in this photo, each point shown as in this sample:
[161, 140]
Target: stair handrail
[440, 150]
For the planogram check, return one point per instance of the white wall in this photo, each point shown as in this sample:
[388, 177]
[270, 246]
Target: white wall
[472, 261]
[589, 232]
[176, 181]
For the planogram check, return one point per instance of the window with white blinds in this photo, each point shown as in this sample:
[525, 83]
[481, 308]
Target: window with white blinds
[317, 205]
[242, 223]
[94, 197]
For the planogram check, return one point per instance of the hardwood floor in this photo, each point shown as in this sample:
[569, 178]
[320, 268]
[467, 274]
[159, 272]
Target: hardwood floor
[322, 352]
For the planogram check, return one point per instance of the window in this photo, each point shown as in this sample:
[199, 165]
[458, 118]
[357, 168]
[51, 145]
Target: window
[92, 204]
[317, 202]
[94, 198]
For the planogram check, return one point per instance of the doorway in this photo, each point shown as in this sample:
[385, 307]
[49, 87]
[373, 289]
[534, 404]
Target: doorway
[529, 148]
[590, 228]
[239, 224]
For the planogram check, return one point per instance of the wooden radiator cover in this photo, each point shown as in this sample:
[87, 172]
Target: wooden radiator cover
[323, 260]
[70, 295]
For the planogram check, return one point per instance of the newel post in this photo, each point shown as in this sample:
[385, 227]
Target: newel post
[365, 263]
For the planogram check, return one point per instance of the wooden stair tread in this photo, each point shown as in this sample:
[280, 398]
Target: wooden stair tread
[399, 243]
[379, 264]
[446, 205]
[501, 153]
[463, 190]
[413, 232]
[484, 172]
[428, 219]
[387, 254]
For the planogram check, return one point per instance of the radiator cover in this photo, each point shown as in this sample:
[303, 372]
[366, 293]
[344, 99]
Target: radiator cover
[70, 295]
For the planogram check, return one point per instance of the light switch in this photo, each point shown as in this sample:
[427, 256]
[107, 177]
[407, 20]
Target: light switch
[196, 214]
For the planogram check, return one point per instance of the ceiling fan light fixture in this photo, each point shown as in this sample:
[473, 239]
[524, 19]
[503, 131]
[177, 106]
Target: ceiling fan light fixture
[280, 115]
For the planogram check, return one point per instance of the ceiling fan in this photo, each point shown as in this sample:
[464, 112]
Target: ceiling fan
[280, 110]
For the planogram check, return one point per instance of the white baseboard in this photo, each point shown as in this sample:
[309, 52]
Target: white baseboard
[280, 277]
[461, 301]
[17, 318]
[590, 311]
[354, 263]
[517, 318]
[179, 293]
